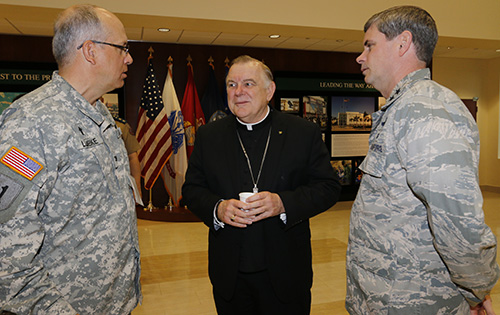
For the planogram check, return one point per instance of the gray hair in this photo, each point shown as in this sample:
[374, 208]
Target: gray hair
[72, 28]
[395, 20]
[247, 59]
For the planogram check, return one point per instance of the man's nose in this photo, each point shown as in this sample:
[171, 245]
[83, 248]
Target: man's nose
[361, 58]
[238, 89]
[129, 59]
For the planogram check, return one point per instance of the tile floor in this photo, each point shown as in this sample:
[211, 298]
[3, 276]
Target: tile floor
[174, 263]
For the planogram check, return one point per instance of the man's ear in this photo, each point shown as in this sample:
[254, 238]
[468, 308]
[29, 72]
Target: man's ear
[89, 52]
[405, 40]
[270, 90]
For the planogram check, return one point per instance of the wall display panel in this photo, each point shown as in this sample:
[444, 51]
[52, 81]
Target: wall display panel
[352, 113]
[290, 105]
[111, 102]
[17, 79]
[356, 171]
[115, 103]
[342, 105]
[315, 110]
[6, 98]
[25, 76]
[19, 50]
[348, 170]
[352, 144]
[343, 169]
[20, 78]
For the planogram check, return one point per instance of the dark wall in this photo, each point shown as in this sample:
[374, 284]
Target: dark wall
[276, 59]
[14, 48]
[31, 49]
[26, 48]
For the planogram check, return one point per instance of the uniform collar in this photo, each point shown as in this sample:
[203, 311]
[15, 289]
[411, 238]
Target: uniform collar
[406, 83]
[96, 113]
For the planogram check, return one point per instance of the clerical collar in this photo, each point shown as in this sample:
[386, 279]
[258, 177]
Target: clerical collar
[250, 125]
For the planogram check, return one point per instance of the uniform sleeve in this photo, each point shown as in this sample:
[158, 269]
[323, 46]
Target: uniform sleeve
[131, 143]
[24, 283]
[440, 152]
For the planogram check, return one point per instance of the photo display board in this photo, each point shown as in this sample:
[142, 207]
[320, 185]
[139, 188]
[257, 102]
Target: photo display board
[342, 106]
[17, 79]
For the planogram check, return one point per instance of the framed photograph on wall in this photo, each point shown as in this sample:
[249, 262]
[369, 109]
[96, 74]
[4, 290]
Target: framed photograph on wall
[115, 102]
[352, 113]
[315, 110]
[356, 172]
[343, 169]
[112, 103]
[290, 105]
[7, 98]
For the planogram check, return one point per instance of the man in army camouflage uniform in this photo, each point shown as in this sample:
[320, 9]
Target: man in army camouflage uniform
[418, 243]
[68, 230]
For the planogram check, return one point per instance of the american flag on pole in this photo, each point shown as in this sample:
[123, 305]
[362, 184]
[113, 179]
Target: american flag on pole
[174, 171]
[153, 130]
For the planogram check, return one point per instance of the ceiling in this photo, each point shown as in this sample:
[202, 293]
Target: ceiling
[29, 20]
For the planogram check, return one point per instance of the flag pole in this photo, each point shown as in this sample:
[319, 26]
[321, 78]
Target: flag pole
[170, 61]
[150, 206]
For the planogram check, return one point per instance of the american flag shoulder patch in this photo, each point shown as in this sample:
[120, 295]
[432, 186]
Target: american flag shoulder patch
[21, 163]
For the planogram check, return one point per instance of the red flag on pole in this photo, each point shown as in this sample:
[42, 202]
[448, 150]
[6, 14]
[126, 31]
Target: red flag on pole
[153, 130]
[191, 110]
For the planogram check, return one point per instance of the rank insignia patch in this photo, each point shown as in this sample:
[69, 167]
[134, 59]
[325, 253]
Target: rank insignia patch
[21, 163]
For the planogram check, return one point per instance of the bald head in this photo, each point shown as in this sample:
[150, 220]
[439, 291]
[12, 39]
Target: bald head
[74, 26]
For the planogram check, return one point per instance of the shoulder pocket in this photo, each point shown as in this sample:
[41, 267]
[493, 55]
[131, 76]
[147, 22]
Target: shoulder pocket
[12, 192]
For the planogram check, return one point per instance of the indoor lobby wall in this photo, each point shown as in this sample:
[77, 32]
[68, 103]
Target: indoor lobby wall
[31, 49]
[467, 77]
[489, 127]
[477, 78]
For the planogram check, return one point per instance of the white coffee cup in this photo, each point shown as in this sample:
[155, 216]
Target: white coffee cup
[245, 195]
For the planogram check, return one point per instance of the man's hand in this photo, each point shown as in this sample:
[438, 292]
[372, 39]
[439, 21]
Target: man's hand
[483, 308]
[230, 212]
[257, 207]
[264, 205]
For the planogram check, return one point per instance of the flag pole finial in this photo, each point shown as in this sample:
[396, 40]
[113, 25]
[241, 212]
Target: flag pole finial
[170, 65]
[151, 51]
[210, 60]
[226, 61]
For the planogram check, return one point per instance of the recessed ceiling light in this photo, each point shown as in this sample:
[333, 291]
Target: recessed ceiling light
[498, 50]
[163, 29]
[274, 36]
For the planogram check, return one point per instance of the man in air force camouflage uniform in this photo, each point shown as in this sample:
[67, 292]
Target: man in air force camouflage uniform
[68, 233]
[418, 243]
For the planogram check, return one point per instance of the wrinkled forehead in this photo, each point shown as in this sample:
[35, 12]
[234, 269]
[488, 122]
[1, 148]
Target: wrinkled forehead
[245, 71]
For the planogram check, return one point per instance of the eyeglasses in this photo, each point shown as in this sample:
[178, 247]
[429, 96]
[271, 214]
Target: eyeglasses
[125, 48]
